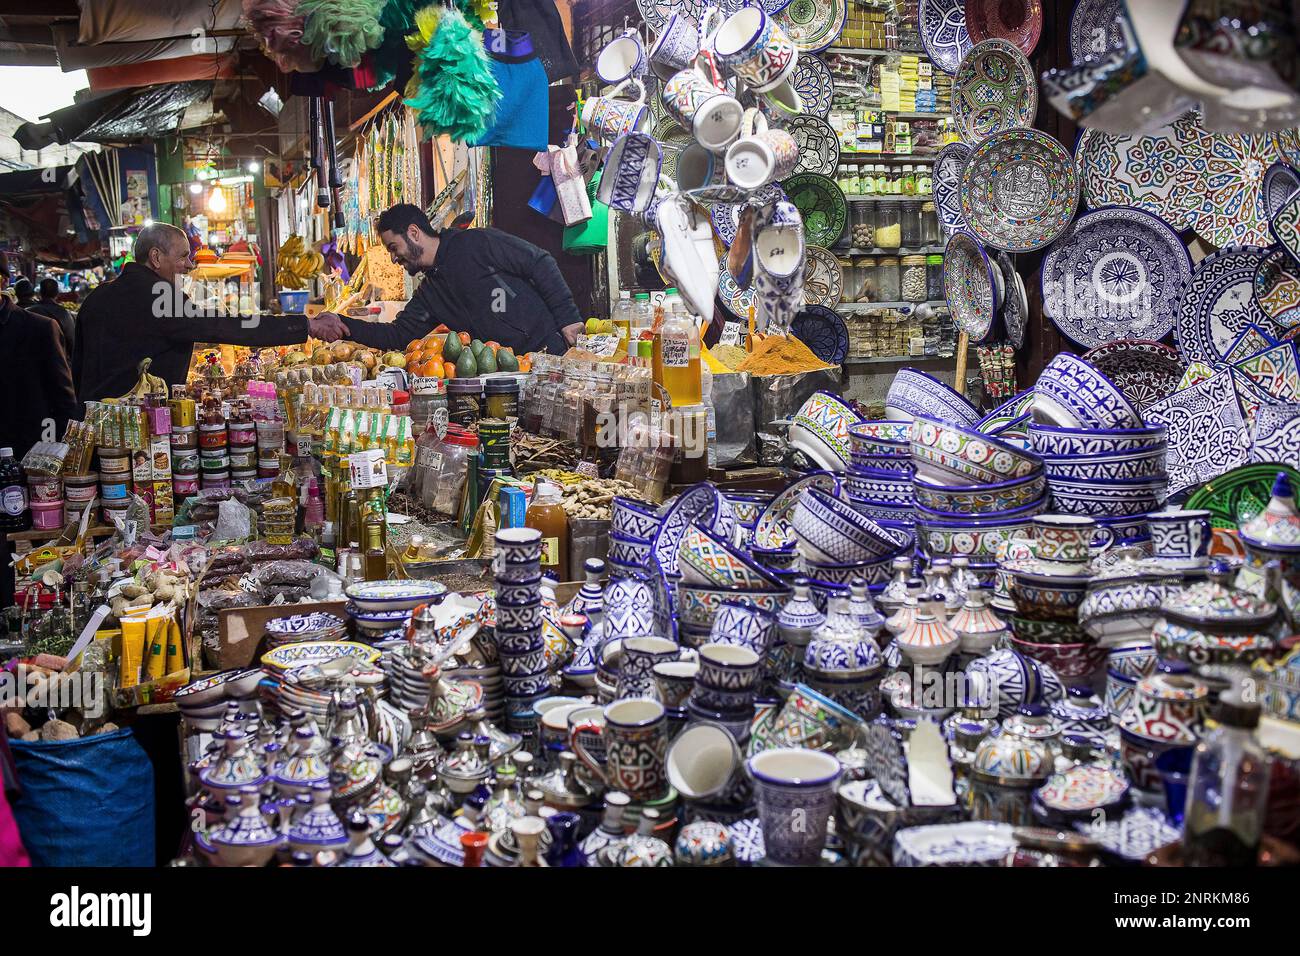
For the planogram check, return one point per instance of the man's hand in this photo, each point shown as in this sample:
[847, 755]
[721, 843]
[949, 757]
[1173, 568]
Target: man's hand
[328, 327]
[571, 332]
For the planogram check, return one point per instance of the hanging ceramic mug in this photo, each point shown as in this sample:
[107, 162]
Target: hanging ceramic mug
[761, 155]
[675, 49]
[635, 735]
[696, 168]
[784, 100]
[610, 117]
[631, 173]
[754, 46]
[696, 99]
[623, 57]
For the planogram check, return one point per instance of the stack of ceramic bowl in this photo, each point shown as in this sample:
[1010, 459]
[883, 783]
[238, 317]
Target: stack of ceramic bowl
[879, 479]
[301, 676]
[710, 564]
[1010, 421]
[296, 628]
[725, 685]
[973, 492]
[520, 645]
[203, 702]
[380, 608]
[1101, 459]
[633, 526]
[820, 429]
[772, 538]
[747, 506]
[837, 543]
[914, 393]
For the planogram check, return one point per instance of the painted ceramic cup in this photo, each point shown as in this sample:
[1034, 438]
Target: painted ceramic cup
[1181, 536]
[676, 48]
[743, 624]
[761, 155]
[697, 167]
[695, 98]
[728, 667]
[636, 671]
[1067, 539]
[702, 761]
[676, 680]
[1167, 709]
[755, 47]
[631, 173]
[623, 57]
[795, 793]
[635, 735]
[610, 117]
[553, 725]
[585, 726]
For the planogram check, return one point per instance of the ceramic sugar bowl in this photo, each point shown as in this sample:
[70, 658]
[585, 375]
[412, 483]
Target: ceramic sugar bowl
[1214, 623]
[1007, 768]
[1274, 533]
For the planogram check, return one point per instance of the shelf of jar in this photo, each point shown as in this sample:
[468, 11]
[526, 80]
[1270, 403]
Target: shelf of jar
[855, 157]
[864, 306]
[919, 251]
[897, 359]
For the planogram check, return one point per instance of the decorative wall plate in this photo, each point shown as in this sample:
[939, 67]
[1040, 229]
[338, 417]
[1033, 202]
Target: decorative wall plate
[1281, 182]
[1016, 21]
[969, 285]
[813, 25]
[1277, 288]
[1207, 434]
[823, 278]
[822, 330]
[1277, 434]
[1226, 175]
[944, 33]
[1145, 371]
[822, 205]
[816, 87]
[1275, 372]
[1019, 190]
[1116, 273]
[1140, 171]
[1250, 342]
[995, 89]
[1095, 28]
[819, 145]
[1015, 302]
[1284, 225]
[1236, 497]
[1219, 303]
[947, 186]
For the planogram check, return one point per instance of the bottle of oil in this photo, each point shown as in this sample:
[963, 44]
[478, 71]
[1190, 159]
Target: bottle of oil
[677, 358]
[1227, 792]
[546, 514]
[376, 559]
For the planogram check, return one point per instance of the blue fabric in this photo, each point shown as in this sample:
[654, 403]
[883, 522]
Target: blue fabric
[86, 802]
[522, 117]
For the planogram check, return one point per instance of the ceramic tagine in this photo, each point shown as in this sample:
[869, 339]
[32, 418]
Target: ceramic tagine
[902, 618]
[1081, 713]
[795, 623]
[244, 838]
[307, 764]
[843, 662]
[1008, 766]
[1213, 623]
[864, 613]
[963, 579]
[643, 848]
[361, 851]
[976, 625]
[236, 768]
[938, 583]
[704, 843]
[1274, 533]
[928, 640]
[318, 828]
[894, 596]
[467, 766]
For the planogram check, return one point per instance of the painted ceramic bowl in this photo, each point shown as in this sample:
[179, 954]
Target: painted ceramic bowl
[969, 843]
[829, 529]
[892, 488]
[629, 552]
[633, 518]
[747, 506]
[1108, 498]
[775, 559]
[888, 514]
[701, 504]
[1074, 393]
[774, 529]
[1074, 663]
[980, 499]
[899, 465]
[1013, 410]
[914, 393]
[821, 428]
[1047, 632]
[1067, 442]
[1198, 646]
[705, 558]
[1078, 793]
[1048, 598]
[1134, 659]
[882, 438]
[1146, 463]
[951, 454]
[866, 820]
[1167, 709]
[698, 604]
[874, 573]
[978, 538]
[1117, 608]
[291, 656]
[393, 595]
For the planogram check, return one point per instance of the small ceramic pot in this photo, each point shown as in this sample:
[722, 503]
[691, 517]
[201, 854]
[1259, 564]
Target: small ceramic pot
[1168, 709]
[728, 667]
[1067, 539]
[794, 789]
[515, 619]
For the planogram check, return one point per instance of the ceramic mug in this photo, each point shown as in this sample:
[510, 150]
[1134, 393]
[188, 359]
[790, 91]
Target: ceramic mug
[702, 761]
[696, 99]
[795, 792]
[761, 155]
[631, 173]
[610, 117]
[675, 680]
[553, 725]
[635, 735]
[623, 57]
[753, 45]
[739, 623]
[696, 168]
[636, 670]
[585, 725]
[1068, 539]
[728, 667]
[675, 48]
[1181, 536]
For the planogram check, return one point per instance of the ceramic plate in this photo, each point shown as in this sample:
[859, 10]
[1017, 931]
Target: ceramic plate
[822, 205]
[1145, 371]
[947, 186]
[1226, 176]
[1277, 434]
[1095, 28]
[1236, 497]
[1116, 273]
[1015, 303]
[1219, 303]
[1281, 181]
[1250, 342]
[393, 595]
[944, 33]
[995, 89]
[813, 25]
[1277, 288]
[970, 843]
[1135, 836]
[969, 285]
[1016, 21]
[819, 146]
[318, 652]
[1207, 434]
[823, 278]
[1284, 225]
[813, 82]
[1019, 190]
[736, 300]
[1275, 372]
[1141, 171]
[823, 331]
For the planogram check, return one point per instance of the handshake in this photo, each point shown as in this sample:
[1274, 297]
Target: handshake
[327, 327]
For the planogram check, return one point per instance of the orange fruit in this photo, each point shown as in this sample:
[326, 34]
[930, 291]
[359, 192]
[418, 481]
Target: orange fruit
[441, 329]
[464, 338]
[448, 369]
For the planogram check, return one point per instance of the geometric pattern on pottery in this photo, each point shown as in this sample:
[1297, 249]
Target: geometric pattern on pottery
[1207, 434]
[947, 186]
[1143, 464]
[971, 843]
[718, 563]
[1019, 190]
[1075, 663]
[635, 173]
[982, 458]
[1083, 788]
[1102, 499]
[1226, 174]
[860, 696]
[1145, 371]
[968, 285]
[994, 89]
[774, 529]
[1275, 370]
[1219, 303]
[943, 32]
[829, 419]
[1140, 171]
[916, 393]
[747, 841]
[896, 491]
[1087, 443]
[1119, 695]
[636, 761]
[744, 625]
[630, 607]
[700, 502]
[886, 760]
[1250, 342]
[1091, 399]
[1135, 836]
[830, 531]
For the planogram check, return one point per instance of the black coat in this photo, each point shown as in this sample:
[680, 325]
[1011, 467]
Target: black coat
[486, 282]
[60, 315]
[35, 382]
[136, 317]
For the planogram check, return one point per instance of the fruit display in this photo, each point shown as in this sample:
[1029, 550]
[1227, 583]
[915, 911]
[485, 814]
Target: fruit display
[447, 354]
[297, 264]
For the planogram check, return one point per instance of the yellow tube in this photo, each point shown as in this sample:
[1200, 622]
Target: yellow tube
[156, 659]
[133, 650]
[175, 657]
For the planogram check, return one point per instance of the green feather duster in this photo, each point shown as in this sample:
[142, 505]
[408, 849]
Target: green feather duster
[454, 91]
[341, 31]
[393, 57]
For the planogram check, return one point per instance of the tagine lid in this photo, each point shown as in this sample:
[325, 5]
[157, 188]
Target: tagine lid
[1277, 527]
[1213, 601]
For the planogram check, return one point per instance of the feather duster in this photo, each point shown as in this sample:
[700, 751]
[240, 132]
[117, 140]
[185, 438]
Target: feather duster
[453, 90]
[392, 59]
[279, 27]
[342, 31]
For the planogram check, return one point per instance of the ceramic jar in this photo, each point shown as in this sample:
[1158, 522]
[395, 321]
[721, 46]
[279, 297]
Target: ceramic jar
[1077, 794]
[704, 843]
[1166, 712]
[245, 838]
[1006, 770]
[977, 627]
[844, 663]
[928, 640]
[794, 789]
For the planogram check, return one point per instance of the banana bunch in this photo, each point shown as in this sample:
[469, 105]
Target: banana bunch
[146, 385]
[298, 264]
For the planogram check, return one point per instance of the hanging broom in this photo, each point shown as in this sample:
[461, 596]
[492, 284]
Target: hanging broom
[341, 31]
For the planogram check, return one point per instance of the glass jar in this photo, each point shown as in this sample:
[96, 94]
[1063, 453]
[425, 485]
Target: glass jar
[929, 225]
[912, 279]
[866, 281]
[911, 222]
[450, 462]
[889, 233]
[887, 280]
[864, 225]
[934, 277]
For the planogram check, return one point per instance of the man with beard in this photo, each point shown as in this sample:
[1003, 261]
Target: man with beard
[485, 282]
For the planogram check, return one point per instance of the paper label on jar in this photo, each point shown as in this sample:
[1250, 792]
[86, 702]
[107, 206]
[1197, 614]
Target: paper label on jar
[428, 385]
[367, 469]
[550, 552]
[14, 498]
[677, 350]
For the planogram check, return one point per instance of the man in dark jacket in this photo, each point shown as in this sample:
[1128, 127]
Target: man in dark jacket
[486, 282]
[48, 305]
[143, 314]
[35, 382]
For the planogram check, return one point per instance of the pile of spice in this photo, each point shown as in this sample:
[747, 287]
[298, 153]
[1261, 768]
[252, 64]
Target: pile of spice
[780, 355]
[729, 356]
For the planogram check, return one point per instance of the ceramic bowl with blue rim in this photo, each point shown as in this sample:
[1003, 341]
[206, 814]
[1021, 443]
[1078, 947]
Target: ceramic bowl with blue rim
[218, 687]
[895, 464]
[881, 437]
[952, 454]
[701, 503]
[969, 843]
[980, 499]
[1138, 496]
[633, 518]
[1117, 466]
[705, 558]
[1013, 409]
[893, 515]
[914, 393]
[1062, 442]
[520, 642]
[296, 626]
[829, 529]
[883, 487]
[393, 595]
[964, 536]
[290, 656]
[774, 529]
[1074, 393]
[521, 665]
[697, 605]
[877, 572]
[625, 550]
[775, 559]
[821, 429]
[747, 505]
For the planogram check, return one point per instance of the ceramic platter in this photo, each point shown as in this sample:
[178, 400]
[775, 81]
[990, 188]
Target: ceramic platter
[1281, 182]
[1285, 226]
[823, 279]
[1016, 21]
[1220, 303]
[1019, 190]
[995, 89]
[813, 82]
[822, 330]
[673, 139]
[822, 205]
[1141, 171]
[1226, 175]
[736, 300]
[1015, 303]
[1277, 288]
[1240, 494]
[1116, 273]
[947, 186]
[1145, 371]
[944, 33]
[970, 286]
[819, 146]
[726, 212]
[1095, 28]
[656, 13]
[813, 25]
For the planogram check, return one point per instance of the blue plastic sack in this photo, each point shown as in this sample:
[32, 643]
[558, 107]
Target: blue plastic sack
[86, 802]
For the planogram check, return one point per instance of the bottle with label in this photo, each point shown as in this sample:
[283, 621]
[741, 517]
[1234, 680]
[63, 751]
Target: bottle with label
[677, 358]
[546, 514]
[376, 557]
[1227, 791]
[642, 312]
[622, 315]
[14, 512]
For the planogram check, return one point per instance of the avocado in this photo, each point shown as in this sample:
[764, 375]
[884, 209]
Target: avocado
[451, 348]
[466, 366]
[487, 361]
[506, 361]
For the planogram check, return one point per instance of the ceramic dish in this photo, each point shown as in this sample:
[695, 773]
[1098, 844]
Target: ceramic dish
[821, 203]
[1072, 393]
[948, 166]
[1227, 181]
[1019, 190]
[914, 393]
[1015, 303]
[1277, 288]
[1145, 371]
[823, 330]
[1281, 182]
[813, 25]
[1095, 28]
[823, 281]
[1219, 303]
[995, 89]
[816, 87]
[774, 530]
[291, 656]
[819, 145]
[393, 595]
[1056, 441]
[701, 503]
[1016, 21]
[944, 33]
[950, 454]
[1142, 172]
[970, 843]
[969, 286]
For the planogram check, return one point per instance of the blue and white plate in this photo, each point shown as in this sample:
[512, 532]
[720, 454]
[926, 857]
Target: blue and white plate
[1281, 182]
[813, 82]
[819, 144]
[1220, 303]
[1135, 836]
[371, 596]
[970, 843]
[1095, 28]
[947, 186]
[291, 656]
[1116, 273]
[822, 330]
[944, 33]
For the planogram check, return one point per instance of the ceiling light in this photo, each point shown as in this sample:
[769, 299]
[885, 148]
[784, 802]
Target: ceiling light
[195, 188]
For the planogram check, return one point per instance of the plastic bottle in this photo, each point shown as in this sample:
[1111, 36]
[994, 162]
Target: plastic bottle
[546, 514]
[711, 416]
[642, 312]
[622, 316]
[677, 358]
[314, 517]
[15, 515]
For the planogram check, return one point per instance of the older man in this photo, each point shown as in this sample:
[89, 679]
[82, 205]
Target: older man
[143, 314]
